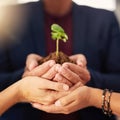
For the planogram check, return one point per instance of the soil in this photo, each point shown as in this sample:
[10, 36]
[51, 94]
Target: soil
[58, 59]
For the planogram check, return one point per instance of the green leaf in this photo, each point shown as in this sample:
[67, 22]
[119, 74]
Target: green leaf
[64, 36]
[57, 28]
[54, 35]
[58, 33]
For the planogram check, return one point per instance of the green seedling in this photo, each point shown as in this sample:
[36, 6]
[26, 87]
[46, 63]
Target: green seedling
[58, 33]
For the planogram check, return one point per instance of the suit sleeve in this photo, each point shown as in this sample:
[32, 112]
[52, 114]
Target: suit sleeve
[109, 76]
[6, 79]
[8, 75]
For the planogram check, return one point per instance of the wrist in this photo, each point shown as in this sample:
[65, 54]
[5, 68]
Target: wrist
[20, 96]
[16, 93]
[95, 98]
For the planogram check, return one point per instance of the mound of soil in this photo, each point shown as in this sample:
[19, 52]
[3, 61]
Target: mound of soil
[58, 59]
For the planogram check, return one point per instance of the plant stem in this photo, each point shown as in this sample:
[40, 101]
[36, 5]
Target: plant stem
[57, 47]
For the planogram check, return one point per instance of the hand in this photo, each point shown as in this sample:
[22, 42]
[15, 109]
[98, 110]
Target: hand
[32, 61]
[79, 59]
[71, 73]
[36, 89]
[49, 70]
[77, 99]
[46, 70]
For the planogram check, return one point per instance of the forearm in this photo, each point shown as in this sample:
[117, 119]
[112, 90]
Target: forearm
[95, 97]
[115, 103]
[96, 100]
[8, 97]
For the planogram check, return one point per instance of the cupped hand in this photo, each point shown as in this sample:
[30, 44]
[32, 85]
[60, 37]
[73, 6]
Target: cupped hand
[36, 89]
[76, 100]
[46, 70]
[79, 59]
[74, 73]
[42, 70]
[71, 73]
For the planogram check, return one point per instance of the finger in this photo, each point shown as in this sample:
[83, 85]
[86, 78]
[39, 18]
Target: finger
[32, 65]
[73, 67]
[32, 61]
[47, 84]
[64, 100]
[42, 69]
[69, 108]
[79, 59]
[48, 108]
[83, 73]
[79, 84]
[68, 74]
[50, 74]
[61, 79]
[57, 109]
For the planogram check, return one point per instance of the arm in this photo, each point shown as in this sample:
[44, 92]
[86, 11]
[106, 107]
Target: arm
[95, 99]
[8, 76]
[106, 74]
[81, 99]
[7, 79]
[31, 89]
[8, 97]
[102, 80]
[96, 95]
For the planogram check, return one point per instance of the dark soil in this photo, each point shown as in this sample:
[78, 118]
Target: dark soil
[60, 59]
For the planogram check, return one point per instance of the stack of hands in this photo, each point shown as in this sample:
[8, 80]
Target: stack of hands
[55, 88]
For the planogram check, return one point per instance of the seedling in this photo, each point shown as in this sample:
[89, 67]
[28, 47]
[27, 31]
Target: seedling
[58, 33]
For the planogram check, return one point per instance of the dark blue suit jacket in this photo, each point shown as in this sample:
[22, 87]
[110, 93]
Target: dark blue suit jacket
[96, 34]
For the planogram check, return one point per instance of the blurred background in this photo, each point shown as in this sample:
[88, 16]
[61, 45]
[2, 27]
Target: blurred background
[112, 5]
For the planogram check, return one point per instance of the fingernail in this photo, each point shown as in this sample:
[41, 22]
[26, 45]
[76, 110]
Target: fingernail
[59, 78]
[52, 62]
[65, 65]
[65, 87]
[57, 68]
[80, 63]
[58, 103]
[32, 65]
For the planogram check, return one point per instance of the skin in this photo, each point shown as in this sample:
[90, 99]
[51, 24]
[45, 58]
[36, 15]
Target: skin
[67, 73]
[33, 90]
[57, 8]
[81, 99]
[68, 104]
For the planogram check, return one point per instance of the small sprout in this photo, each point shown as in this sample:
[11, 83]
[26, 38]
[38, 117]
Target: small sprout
[58, 33]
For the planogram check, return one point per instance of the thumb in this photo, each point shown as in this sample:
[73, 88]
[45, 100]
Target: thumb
[32, 61]
[32, 65]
